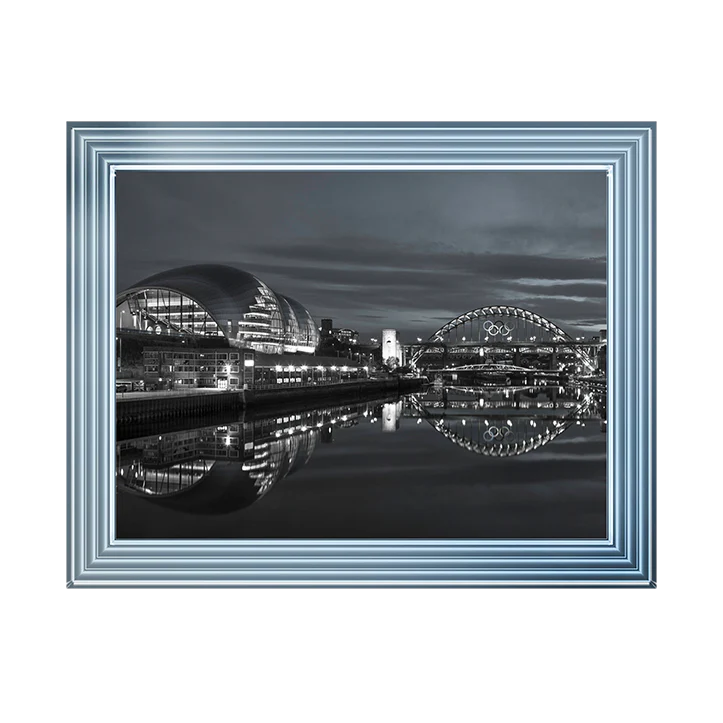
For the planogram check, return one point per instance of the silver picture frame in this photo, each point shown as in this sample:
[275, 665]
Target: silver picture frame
[98, 151]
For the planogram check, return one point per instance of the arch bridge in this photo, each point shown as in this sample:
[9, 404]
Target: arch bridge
[500, 329]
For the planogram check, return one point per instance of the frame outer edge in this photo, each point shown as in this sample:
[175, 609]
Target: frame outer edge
[90, 281]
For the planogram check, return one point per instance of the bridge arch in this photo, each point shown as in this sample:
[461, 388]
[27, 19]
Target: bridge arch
[501, 323]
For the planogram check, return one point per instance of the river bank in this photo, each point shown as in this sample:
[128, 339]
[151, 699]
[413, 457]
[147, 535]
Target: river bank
[137, 408]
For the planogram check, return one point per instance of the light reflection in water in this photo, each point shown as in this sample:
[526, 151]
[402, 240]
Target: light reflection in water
[505, 422]
[222, 468]
[225, 467]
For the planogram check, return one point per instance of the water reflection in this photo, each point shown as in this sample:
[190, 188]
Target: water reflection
[223, 468]
[504, 422]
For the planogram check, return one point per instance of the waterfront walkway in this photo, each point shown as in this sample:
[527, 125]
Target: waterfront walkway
[167, 393]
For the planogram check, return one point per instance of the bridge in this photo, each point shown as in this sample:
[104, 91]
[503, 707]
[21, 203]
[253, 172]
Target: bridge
[510, 333]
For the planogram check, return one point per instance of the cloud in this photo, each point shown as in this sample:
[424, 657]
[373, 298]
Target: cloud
[406, 250]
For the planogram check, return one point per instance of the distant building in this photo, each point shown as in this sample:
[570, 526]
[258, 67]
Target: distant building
[326, 327]
[235, 369]
[602, 359]
[165, 368]
[346, 336]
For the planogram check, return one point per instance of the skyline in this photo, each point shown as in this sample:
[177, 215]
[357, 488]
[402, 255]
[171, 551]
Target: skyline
[373, 249]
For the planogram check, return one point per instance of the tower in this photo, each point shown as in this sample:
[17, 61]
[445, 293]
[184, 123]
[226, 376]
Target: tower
[390, 345]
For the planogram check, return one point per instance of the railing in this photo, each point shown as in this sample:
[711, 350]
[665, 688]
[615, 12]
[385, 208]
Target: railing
[299, 385]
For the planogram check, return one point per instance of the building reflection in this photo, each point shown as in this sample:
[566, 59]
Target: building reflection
[391, 414]
[222, 468]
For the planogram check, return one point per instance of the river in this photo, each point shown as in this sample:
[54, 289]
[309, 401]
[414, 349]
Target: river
[471, 463]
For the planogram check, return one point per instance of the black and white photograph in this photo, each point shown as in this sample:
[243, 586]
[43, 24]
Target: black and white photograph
[361, 354]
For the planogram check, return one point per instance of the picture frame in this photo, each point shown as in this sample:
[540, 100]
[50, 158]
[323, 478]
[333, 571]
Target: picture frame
[98, 151]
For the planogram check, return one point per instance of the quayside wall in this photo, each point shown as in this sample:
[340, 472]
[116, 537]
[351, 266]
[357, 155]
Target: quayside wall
[138, 410]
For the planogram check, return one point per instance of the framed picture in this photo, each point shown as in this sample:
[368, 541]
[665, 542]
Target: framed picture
[361, 354]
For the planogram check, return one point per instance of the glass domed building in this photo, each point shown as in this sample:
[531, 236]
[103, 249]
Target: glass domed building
[218, 301]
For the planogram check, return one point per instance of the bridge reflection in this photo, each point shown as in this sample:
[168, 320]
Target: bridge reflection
[504, 421]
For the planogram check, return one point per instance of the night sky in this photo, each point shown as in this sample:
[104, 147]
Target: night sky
[406, 250]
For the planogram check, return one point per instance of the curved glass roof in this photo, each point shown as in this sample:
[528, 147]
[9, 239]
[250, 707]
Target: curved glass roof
[245, 309]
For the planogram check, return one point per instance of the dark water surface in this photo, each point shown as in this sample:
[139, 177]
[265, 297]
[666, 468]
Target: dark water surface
[452, 464]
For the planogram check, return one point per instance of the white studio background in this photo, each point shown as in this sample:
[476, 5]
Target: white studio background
[346, 655]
